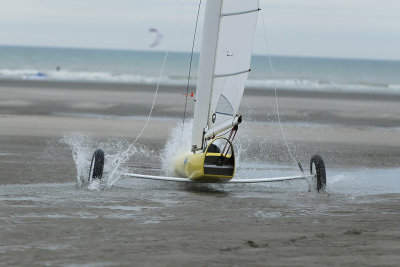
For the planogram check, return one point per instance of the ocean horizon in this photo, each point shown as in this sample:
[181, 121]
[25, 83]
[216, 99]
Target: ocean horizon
[143, 67]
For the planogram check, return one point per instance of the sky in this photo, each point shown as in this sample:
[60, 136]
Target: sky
[339, 28]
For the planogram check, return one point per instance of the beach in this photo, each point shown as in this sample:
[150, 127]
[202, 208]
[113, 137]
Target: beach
[47, 220]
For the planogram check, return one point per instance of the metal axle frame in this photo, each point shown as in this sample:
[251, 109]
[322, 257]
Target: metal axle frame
[233, 181]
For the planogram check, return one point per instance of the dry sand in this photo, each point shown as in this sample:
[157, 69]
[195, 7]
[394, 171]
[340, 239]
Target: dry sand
[199, 226]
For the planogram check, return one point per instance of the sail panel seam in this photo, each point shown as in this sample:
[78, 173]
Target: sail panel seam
[240, 12]
[222, 113]
[231, 74]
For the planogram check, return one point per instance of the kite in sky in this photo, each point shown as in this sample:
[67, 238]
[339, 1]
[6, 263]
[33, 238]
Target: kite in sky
[158, 39]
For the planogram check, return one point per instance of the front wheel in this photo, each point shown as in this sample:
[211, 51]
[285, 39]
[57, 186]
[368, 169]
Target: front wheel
[96, 166]
[317, 168]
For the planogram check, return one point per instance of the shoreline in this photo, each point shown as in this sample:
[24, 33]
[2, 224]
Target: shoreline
[77, 99]
[251, 90]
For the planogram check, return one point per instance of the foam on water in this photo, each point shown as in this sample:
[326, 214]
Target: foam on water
[288, 83]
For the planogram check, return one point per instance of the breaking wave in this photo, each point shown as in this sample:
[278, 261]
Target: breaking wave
[102, 76]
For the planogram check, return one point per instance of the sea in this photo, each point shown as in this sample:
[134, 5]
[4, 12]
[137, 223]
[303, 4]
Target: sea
[144, 67]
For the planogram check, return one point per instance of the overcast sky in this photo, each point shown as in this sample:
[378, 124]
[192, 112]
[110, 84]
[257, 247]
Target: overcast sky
[337, 28]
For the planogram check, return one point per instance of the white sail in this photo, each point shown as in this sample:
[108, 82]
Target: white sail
[228, 35]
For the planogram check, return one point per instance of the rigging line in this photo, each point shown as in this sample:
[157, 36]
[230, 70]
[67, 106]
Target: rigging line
[222, 134]
[154, 99]
[158, 86]
[126, 155]
[190, 65]
[276, 94]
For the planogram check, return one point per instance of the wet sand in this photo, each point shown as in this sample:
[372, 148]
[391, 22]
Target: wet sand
[46, 220]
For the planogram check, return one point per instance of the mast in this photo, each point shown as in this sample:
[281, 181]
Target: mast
[229, 28]
[206, 71]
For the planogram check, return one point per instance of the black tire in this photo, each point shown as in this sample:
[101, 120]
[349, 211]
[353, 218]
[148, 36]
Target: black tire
[97, 165]
[317, 167]
[214, 149]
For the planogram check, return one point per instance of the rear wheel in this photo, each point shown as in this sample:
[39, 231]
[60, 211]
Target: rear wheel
[214, 149]
[97, 165]
[317, 168]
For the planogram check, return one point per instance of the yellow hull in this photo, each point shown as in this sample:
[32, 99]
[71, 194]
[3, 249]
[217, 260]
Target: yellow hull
[207, 167]
[193, 167]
